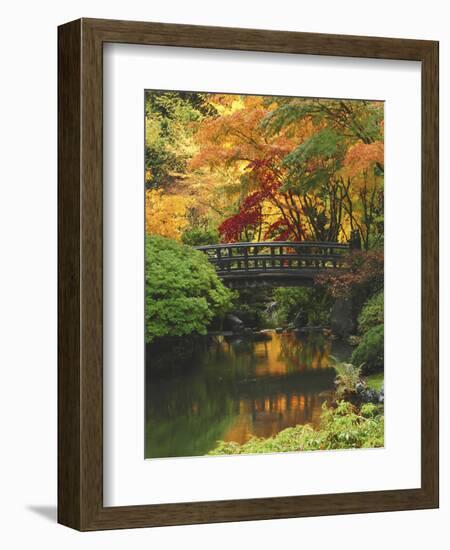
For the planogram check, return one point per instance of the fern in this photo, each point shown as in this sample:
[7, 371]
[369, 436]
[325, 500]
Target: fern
[347, 377]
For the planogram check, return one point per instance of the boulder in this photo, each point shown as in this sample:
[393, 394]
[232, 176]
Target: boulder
[233, 323]
[342, 320]
[369, 395]
[301, 319]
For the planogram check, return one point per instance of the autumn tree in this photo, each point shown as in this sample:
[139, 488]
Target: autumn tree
[171, 120]
[264, 168]
[235, 142]
[339, 170]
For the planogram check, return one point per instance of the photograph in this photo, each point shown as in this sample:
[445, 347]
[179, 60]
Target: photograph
[222, 293]
[264, 273]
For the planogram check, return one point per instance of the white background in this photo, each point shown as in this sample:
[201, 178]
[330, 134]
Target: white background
[28, 274]
[128, 479]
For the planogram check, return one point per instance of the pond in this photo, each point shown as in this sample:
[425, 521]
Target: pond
[234, 387]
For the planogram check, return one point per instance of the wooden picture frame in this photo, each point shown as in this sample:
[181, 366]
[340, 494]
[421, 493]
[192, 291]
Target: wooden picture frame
[80, 271]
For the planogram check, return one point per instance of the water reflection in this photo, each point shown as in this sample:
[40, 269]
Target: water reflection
[237, 387]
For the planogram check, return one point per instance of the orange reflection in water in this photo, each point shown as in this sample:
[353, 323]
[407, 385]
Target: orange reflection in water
[280, 358]
[263, 418]
[286, 353]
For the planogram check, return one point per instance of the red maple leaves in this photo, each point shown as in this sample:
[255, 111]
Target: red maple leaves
[249, 217]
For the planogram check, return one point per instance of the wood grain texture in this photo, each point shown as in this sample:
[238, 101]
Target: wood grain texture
[80, 263]
[69, 247]
[430, 272]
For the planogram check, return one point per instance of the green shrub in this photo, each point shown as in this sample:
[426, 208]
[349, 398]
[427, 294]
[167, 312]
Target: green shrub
[310, 305]
[182, 290]
[251, 305]
[341, 428]
[372, 313]
[370, 351]
[198, 236]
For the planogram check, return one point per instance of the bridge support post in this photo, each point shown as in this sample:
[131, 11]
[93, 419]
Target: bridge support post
[355, 240]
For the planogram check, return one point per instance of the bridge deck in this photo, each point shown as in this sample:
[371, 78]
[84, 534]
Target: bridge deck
[276, 262]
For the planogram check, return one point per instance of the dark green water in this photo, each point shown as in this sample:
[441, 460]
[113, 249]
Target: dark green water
[237, 387]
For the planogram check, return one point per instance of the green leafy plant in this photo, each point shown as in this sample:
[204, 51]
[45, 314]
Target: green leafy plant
[198, 236]
[370, 351]
[300, 306]
[372, 313]
[343, 427]
[251, 305]
[182, 290]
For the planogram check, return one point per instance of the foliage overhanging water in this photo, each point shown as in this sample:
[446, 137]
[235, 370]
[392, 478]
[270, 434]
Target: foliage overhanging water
[234, 387]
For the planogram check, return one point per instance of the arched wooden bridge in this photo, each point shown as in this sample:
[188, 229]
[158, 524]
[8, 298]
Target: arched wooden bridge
[278, 263]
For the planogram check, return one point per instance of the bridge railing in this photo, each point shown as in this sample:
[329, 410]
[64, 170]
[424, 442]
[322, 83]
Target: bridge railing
[276, 256]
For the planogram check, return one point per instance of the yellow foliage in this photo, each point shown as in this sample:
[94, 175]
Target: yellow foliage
[165, 214]
[231, 157]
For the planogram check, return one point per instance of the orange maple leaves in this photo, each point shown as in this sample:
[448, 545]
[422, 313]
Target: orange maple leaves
[362, 156]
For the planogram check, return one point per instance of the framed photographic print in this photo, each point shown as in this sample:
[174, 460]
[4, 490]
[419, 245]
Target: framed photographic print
[248, 274]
